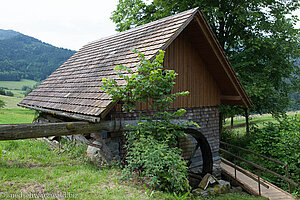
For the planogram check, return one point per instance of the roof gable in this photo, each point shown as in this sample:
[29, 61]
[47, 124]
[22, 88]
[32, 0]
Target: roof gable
[75, 87]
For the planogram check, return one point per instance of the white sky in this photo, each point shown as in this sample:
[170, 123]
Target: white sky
[62, 23]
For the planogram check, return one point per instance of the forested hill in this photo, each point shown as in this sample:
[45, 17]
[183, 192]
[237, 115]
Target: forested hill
[24, 57]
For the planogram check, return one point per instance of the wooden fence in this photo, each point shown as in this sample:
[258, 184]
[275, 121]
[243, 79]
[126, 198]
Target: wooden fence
[257, 166]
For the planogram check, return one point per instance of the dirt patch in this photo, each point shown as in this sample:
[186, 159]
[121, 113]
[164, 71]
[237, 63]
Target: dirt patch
[11, 163]
[32, 188]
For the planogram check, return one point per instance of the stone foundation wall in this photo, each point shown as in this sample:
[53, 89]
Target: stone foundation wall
[208, 120]
[100, 137]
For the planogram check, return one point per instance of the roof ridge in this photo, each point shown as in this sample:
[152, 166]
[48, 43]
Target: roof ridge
[75, 87]
[142, 26]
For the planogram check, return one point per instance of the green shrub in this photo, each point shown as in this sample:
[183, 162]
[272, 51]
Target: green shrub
[2, 91]
[25, 87]
[153, 154]
[9, 93]
[161, 166]
[280, 141]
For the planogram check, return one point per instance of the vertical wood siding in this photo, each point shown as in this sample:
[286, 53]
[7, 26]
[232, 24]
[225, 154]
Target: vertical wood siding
[192, 76]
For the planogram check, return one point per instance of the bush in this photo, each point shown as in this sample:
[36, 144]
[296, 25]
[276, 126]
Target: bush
[9, 93]
[152, 144]
[25, 87]
[2, 91]
[280, 141]
[162, 167]
[28, 90]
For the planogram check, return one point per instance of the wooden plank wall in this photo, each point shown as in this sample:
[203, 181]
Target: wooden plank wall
[192, 76]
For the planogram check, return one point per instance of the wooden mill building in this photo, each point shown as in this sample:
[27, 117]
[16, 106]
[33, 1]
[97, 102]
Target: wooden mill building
[73, 91]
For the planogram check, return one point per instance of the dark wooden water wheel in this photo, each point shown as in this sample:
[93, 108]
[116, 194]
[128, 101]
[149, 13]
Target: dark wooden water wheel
[207, 166]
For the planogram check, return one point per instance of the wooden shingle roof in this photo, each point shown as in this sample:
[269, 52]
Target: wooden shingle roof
[75, 87]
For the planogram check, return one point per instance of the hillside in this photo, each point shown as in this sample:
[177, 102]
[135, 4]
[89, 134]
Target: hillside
[24, 57]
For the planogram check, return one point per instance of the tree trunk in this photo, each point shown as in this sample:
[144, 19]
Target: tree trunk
[24, 131]
[231, 122]
[247, 121]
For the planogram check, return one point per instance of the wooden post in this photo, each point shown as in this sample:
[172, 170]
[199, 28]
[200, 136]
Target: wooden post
[247, 121]
[288, 176]
[259, 175]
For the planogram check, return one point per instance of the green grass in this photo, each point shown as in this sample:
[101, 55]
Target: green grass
[10, 102]
[16, 116]
[31, 166]
[18, 93]
[17, 85]
[13, 114]
[256, 120]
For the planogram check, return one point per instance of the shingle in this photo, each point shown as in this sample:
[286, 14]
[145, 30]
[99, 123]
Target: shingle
[76, 85]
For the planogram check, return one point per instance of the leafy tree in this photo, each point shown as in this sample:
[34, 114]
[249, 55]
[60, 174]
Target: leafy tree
[258, 37]
[280, 141]
[9, 93]
[25, 87]
[153, 152]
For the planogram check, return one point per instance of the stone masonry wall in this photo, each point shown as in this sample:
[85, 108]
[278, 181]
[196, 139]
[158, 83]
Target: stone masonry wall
[208, 120]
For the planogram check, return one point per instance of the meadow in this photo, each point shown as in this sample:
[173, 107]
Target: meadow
[13, 114]
[258, 121]
[16, 86]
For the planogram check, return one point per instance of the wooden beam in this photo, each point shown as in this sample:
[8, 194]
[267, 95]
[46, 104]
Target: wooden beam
[231, 98]
[25, 131]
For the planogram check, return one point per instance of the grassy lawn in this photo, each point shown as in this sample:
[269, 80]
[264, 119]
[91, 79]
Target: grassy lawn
[16, 116]
[18, 93]
[10, 102]
[17, 85]
[256, 120]
[31, 166]
[13, 114]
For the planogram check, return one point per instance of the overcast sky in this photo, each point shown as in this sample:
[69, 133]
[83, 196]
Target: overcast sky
[63, 23]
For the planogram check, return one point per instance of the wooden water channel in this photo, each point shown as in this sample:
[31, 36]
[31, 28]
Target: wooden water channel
[251, 182]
